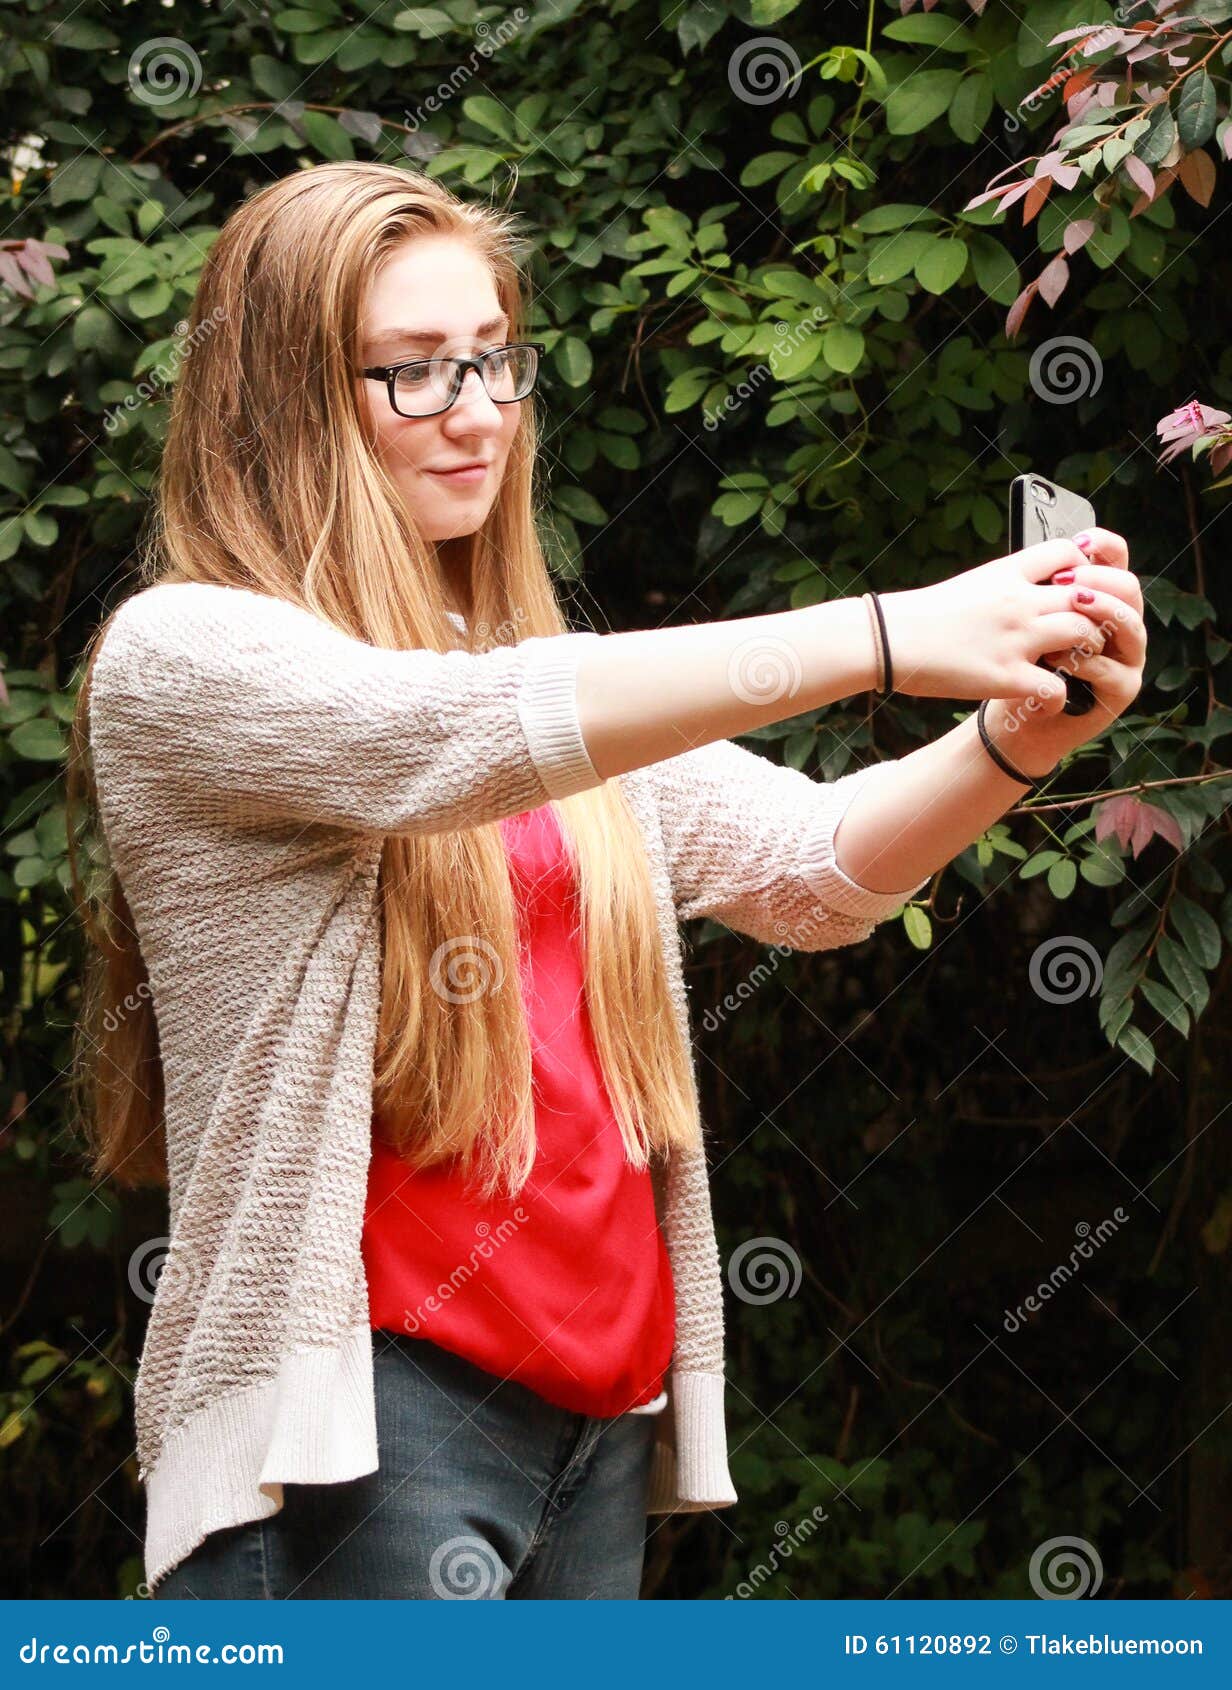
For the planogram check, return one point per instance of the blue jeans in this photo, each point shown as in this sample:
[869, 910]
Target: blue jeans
[484, 1490]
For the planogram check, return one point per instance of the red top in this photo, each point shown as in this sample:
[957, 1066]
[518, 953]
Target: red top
[575, 1299]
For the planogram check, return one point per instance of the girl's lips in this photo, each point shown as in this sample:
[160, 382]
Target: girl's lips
[463, 476]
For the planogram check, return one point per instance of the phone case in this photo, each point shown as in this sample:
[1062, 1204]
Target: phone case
[1042, 510]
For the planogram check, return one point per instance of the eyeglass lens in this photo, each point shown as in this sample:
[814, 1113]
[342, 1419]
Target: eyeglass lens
[425, 387]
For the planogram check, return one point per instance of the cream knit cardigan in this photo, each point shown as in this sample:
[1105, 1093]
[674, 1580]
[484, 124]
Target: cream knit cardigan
[250, 758]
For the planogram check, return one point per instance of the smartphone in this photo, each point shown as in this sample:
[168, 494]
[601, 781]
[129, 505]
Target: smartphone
[1042, 510]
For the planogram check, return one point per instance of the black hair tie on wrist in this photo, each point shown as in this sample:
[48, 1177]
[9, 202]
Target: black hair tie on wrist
[1006, 767]
[885, 645]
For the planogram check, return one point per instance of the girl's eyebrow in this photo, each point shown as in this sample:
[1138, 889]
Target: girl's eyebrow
[414, 337]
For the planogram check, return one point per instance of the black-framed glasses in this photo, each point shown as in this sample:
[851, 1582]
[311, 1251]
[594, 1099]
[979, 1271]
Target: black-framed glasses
[423, 387]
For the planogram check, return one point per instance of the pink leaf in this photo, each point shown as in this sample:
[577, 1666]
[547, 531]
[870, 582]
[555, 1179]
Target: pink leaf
[1141, 174]
[992, 194]
[1018, 309]
[1016, 193]
[1136, 823]
[10, 273]
[1053, 278]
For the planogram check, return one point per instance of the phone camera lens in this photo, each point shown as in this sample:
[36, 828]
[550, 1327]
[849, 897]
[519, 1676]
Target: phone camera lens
[1043, 493]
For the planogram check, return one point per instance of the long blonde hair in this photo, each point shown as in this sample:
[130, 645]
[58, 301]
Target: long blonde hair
[268, 481]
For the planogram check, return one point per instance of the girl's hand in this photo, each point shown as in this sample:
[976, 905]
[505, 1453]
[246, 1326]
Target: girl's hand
[982, 633]
[1111, 660]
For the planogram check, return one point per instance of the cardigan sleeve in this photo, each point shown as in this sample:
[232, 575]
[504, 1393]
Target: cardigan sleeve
[260, 710]
[750, 843]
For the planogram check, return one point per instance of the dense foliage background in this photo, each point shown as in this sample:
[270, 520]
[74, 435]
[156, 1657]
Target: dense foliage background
[778, 372]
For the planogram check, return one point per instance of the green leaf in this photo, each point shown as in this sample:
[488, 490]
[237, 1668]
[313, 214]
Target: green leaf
[41, 529]
[1134, 1042]
[39, 740]
[298, 20]
[794, 355]
[842, 347]
[918, 927]
[490, 115]
[620, 419]
[85, 37]
[1063, 877]
[923, 97]
[75, 180]
[896, 256]
[30, 871]
[734, 508]
[882, 218]
[1038, 863]
[1197, 930]
[427, 21]
[930, 29]
[1187, 978]
[94, 329]
[1156, 144]
[941, 263]
[971, 107]
[996, 272]
[150, 300]
[1196, 110]
[579, 504]
[1168, 1004]
[618, 449]
[327, 135]
[573, 359]
[765, 165]
[275, 79]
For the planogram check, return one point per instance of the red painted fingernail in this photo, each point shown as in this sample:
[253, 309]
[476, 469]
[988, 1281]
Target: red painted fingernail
[1084, 596]
[1063, 577]
[1083, 541]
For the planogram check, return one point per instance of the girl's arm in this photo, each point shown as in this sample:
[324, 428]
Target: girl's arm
[941, 798]
[750, 843]
[258, 710]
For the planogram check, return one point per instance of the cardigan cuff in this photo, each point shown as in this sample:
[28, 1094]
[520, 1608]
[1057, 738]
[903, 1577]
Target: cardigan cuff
[692, 1474]
[547, 707]
[834, 888]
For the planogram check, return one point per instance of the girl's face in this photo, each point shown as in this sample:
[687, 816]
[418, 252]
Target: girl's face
[434, 298]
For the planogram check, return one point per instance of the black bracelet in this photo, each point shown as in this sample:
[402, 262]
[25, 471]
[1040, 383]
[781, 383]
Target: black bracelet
[885, 645]
[1007, 768]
